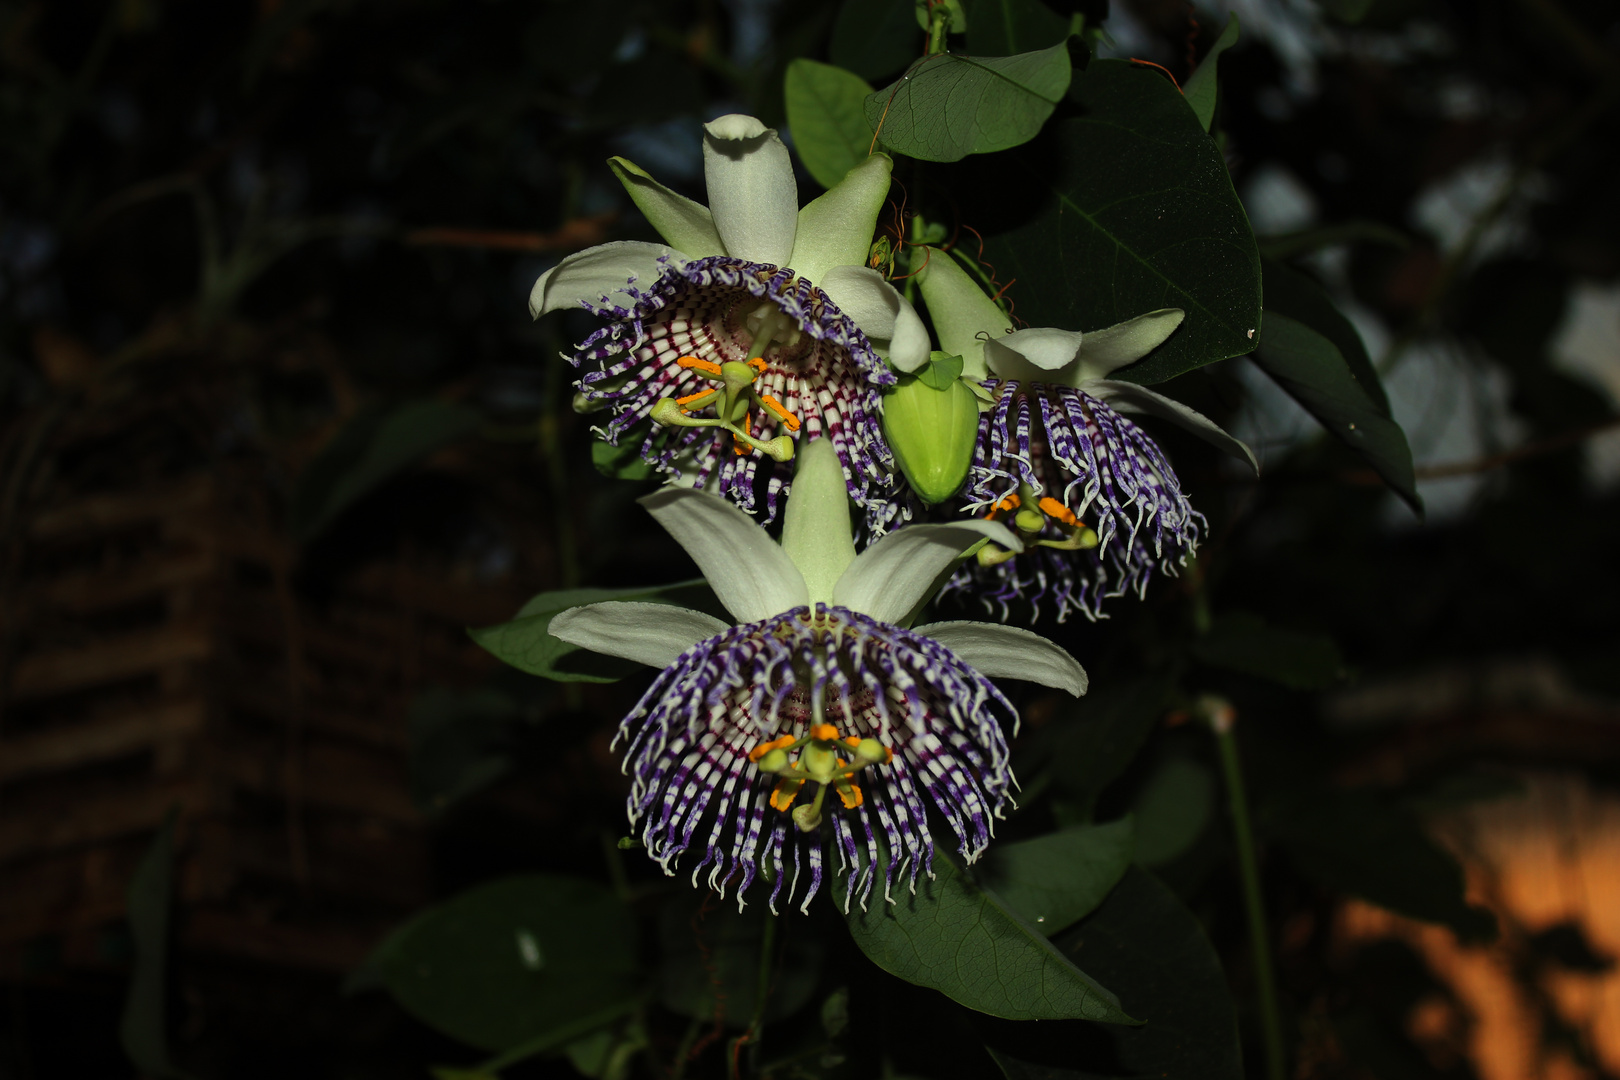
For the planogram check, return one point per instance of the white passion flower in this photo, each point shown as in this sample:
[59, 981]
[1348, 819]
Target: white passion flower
[756, 329]
[1092, 495]
[819, 688]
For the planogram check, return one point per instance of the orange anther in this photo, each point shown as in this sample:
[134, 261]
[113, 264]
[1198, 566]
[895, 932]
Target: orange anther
[824, 732]
[780, 743]
[775, 406]
[758, 365]
[738, 447]
[708, 367]
[783, 794]
[852, 740]
[851, 795]
[683, 401]
[1052, 508]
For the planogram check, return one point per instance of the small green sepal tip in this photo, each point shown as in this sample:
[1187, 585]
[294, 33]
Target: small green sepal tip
[932, 432]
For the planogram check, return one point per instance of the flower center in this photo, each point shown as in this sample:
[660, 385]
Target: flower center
[1031, 516]
[815, 759]
[733, 401]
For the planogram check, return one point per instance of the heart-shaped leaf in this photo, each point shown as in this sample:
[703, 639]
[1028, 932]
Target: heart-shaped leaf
[1135, 212]
[948, 106]
[1055, 880]
[961, 939]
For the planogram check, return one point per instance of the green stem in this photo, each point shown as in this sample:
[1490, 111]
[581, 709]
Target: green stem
[762, 989]
[939, 22]
[1264, 977]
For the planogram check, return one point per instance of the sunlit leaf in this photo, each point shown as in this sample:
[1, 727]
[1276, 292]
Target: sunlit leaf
[948, 106]
[1243, 642]
[1154, 950]
[1054, 880]
[1200, 86]
[374, 445]
[824, 110]
[515, 962]
[526, 643]
[964, 941]
[1134, 211]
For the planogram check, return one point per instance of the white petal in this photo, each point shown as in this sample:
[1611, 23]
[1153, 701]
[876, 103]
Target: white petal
[883, 315]
[1009, 363]
[1124, 343]
[1130, 398]
[960, 311]
[651, 634]
[1044, 347]
[889, 579]
[815, 528]
[752, 193]
[836, 229]
[685, 224]
[1008, 652]
[748, 571]
[599, 271]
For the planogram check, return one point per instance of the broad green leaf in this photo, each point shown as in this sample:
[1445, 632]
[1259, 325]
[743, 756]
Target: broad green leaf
[1098, 738]
[526, 643]
[1055, 880]
[374, 445]
[1243, 642]
[961, 939]
[1155, 951]
[947, 106]
[1004, 27]
[1366, 843]
[1314, 373]
[713, 954]
[522, 963]
[1291, 293]
[460, 743]
[1200, 87]
[1133, 211]
[874, 38]
[824, 111]
[1172, 809]
[143, 1029]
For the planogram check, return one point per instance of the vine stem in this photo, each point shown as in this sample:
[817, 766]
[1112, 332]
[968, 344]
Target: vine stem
[762, 989]
[1221, 717]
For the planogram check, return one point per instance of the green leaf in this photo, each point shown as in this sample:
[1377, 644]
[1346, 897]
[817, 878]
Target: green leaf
[1366, 843]
[1291, 293]
[714, 954]
[1055, 880]
[460, 743]
[371, 447]
[1172, 809]
[957, 937]
[940, 371]
[622, 462]
[1200, 87]
[874, 38]
[526, 643]
[1104, 731]
[1155, 951]
[1004, 27]
[1240, 641]
[947, 106]
[1134, 211]
[143, 1029]
[1312, 370]
[521, 962]
[824, 111]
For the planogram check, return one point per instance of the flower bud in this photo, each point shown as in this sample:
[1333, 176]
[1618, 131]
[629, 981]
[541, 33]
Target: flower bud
[932, 433]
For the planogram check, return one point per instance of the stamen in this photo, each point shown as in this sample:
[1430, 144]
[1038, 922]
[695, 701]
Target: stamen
[1007, 505]
[708, 367]
[775, 406]
[1052, 508]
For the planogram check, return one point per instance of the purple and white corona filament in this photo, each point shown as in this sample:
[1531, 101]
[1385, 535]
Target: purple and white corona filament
[789, 709]
[814, 375]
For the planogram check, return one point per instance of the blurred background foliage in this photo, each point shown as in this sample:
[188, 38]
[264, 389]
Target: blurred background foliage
[291, 241]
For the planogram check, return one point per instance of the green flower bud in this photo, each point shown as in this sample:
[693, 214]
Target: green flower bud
[932, 433]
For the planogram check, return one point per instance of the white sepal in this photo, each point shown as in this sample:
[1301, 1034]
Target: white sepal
[1128, 397]
[836, 228]
[889, 579]
[1110, 349]
[651, 634]
[749, 572]
[600, 271]
[752, 193]
[1009, 652]
[686, 225]
[960, 311]
[815, 528]
[883, 315]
